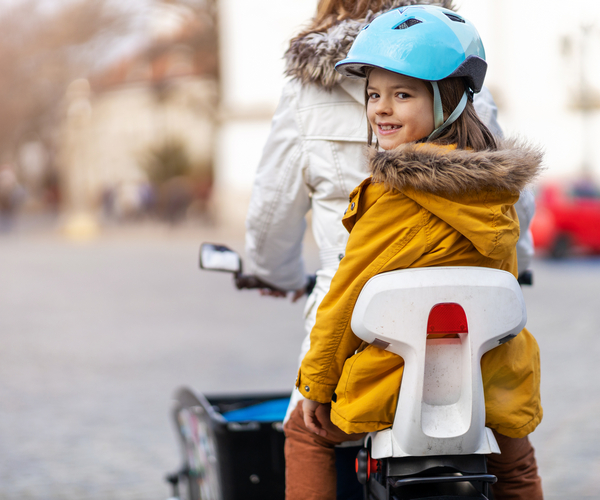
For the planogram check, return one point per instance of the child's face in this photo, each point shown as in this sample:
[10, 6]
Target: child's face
[399, 108]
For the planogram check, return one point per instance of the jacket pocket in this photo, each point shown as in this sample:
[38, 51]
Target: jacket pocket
[367, 393]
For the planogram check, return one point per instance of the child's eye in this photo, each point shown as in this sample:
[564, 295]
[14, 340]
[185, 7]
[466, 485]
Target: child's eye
[373, 95]
[402, 95]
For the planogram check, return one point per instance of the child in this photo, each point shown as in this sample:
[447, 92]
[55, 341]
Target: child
[441, 194]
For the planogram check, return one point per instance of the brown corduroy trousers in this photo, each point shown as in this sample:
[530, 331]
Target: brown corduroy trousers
[310, 462]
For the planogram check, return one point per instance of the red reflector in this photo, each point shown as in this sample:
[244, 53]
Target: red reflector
[373, 466]
[447, 317]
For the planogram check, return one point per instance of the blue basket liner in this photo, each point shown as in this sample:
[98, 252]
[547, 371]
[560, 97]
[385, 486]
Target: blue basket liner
[269, 411]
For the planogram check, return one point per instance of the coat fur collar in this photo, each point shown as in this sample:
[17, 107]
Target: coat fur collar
[312, 58]
[442, 170]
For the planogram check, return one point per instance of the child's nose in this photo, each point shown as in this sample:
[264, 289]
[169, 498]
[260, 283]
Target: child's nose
[383, 107]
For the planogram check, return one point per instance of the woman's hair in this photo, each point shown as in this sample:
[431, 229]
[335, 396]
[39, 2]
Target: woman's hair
[330, 12]
[468, 131]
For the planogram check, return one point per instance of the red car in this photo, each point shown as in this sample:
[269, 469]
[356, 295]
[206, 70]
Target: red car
[567, 219]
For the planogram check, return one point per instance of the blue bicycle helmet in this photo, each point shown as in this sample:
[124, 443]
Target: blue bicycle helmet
[425, 42]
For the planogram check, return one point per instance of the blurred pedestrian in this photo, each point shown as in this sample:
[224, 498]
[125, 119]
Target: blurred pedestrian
[11, 194]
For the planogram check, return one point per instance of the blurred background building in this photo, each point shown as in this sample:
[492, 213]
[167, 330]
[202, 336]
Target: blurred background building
[138, 136]
[161, 107]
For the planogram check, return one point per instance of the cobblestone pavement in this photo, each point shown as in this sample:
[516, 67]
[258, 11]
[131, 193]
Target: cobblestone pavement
[96, 337]
[564, 315]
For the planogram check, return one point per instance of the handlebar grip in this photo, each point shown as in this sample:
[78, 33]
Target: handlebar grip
[525, 278]
[312, 281]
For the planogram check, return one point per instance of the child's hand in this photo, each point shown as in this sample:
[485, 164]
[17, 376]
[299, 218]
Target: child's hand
[311, 421]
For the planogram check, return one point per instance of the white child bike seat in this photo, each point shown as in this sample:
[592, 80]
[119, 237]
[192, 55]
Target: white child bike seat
[441, 406]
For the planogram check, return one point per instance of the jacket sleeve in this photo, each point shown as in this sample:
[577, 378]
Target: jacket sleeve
[487, 111]
[280, 199]
[525, 210]
[371, 250]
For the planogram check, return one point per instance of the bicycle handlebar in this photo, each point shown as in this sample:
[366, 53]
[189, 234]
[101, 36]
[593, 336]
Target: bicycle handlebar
[525, 278]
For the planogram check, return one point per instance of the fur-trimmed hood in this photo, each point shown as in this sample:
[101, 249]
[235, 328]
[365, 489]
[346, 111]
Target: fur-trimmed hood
[474, 192]
[312, 58]
[445, 170]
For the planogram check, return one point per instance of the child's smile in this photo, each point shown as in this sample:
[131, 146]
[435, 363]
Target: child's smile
[399, 108]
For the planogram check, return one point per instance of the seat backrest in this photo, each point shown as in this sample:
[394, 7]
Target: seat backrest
[441, 320]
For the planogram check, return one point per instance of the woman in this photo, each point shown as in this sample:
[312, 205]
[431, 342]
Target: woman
[441, 193]
[314, 156]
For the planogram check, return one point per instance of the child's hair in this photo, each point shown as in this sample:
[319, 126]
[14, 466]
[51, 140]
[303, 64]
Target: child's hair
[468, 131]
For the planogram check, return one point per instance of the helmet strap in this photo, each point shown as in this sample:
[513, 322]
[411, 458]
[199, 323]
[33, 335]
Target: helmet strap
[438, 112]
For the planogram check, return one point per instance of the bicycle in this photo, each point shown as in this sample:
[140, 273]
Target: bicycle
[233, 445]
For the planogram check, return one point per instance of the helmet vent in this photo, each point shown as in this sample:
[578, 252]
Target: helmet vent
[455, 18]
[407, 24]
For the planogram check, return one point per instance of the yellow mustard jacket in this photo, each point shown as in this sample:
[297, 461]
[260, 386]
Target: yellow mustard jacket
[424, 206]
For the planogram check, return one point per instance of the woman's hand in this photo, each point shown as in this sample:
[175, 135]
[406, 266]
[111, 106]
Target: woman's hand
[270, 291]
[311, 421]
[296, 295]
